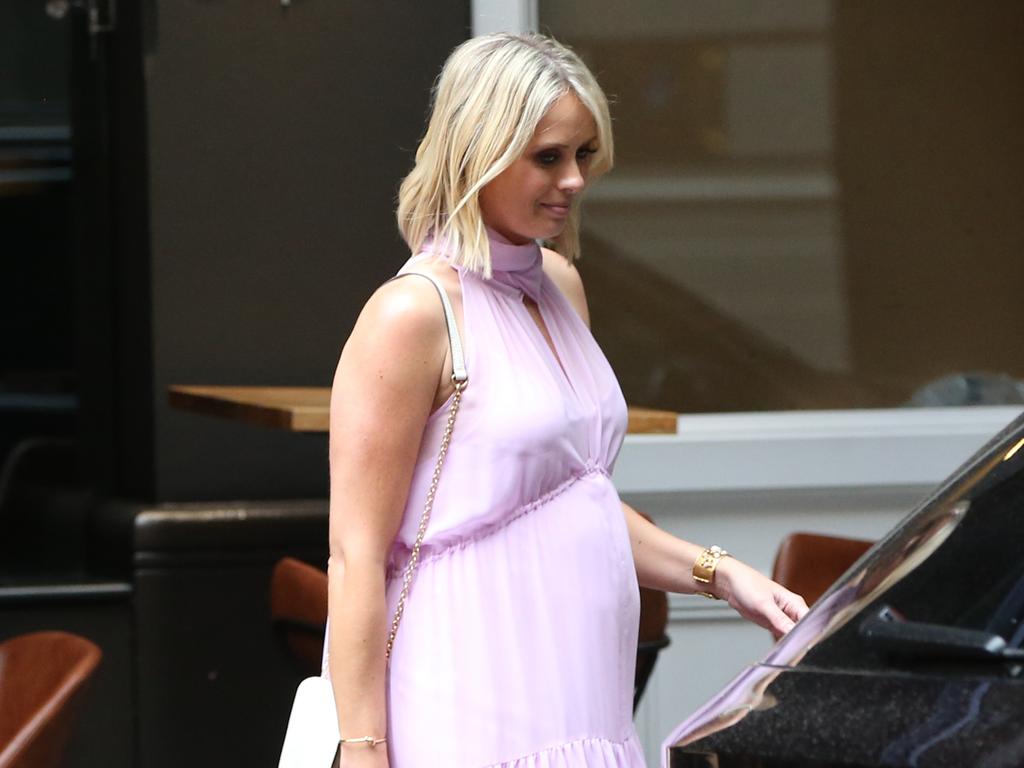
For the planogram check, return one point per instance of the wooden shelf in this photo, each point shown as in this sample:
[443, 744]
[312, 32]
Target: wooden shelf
[307, 409]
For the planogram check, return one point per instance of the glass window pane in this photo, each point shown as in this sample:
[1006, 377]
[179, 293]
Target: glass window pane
[37, 308]
[816, 204]
[33, 69]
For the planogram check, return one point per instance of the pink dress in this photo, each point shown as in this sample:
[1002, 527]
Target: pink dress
[518, 643]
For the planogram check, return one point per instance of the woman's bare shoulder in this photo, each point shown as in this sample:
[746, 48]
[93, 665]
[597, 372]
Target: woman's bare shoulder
[567, 278]
[410, 301]
[400, 318]
[442, 270]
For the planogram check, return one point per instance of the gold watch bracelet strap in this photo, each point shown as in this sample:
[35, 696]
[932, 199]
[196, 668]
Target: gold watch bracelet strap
[704, 568]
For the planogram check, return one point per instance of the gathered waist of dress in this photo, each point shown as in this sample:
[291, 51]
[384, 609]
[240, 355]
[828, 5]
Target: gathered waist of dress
[445, 545]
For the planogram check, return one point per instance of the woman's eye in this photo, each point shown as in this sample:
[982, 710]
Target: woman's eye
[551, 157]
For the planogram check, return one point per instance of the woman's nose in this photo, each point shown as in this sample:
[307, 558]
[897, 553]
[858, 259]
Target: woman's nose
[572, 180]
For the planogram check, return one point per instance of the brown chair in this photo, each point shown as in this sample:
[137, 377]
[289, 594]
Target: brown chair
[42, 676]
[298, 610]
[809, 563]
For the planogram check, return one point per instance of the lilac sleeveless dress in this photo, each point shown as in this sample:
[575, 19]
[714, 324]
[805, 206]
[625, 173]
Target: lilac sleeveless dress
[518, 643]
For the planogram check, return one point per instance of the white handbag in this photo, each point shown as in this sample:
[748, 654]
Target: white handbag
[312, 738]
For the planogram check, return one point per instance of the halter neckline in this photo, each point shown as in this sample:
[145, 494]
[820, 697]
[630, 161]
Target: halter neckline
[518, 266]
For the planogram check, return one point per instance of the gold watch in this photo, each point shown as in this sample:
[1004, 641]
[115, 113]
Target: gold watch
[704, 568]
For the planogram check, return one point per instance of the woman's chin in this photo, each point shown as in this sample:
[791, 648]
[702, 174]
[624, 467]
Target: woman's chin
[551, 231]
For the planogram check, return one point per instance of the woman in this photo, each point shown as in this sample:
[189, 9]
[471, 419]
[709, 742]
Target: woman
[517, 646]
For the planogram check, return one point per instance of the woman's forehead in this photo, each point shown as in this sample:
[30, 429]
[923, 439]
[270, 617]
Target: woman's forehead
[568, 121]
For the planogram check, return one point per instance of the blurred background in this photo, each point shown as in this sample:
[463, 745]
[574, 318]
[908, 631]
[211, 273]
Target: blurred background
[826, 195]
[817, 206]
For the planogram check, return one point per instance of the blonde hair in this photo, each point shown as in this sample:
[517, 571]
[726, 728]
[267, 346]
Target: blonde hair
[487, 102]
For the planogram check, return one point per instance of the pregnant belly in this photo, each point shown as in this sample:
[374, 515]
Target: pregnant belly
[534, 625]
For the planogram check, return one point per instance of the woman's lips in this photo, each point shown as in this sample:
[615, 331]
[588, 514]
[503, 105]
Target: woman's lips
[560, 210]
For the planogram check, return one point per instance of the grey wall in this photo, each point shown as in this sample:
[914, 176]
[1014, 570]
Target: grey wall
[277, 139]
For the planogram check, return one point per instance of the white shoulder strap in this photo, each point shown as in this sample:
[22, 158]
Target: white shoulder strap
[458, 358]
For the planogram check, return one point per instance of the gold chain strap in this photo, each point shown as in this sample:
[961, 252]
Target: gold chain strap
[410, 568]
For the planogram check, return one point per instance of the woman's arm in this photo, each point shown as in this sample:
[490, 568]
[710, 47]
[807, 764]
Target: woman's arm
[384, 387]
[666, 562]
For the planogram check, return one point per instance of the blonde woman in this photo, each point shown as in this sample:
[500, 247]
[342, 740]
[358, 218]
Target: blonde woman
[518, 641]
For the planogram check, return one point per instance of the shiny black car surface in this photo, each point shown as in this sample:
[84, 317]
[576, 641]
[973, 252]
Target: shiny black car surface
[913, 658]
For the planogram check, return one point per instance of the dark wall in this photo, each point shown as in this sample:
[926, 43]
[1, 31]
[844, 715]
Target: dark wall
[277, 139]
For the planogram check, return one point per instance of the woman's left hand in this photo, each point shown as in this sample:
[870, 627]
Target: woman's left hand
[757, 598]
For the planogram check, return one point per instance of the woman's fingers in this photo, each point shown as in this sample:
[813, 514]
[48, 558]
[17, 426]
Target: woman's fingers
[778, 610]
[781, 624]
[792, 604]
[772, 618]
[789, 608]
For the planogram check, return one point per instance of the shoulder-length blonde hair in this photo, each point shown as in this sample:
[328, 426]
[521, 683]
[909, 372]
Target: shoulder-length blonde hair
[487, 102]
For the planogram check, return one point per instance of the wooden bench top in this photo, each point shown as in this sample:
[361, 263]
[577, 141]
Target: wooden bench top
[307, 409]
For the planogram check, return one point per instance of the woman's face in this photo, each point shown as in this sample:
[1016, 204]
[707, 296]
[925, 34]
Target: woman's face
[531, 198]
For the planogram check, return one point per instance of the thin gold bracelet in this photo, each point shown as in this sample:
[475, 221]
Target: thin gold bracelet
[367, 740]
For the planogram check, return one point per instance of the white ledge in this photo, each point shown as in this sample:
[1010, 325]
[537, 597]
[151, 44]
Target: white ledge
[808, 449]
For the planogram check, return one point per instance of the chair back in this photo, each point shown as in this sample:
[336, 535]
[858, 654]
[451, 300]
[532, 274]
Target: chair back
[809, 563]
[42, 675]
[298, 610]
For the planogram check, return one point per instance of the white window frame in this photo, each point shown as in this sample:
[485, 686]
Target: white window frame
[504, 16]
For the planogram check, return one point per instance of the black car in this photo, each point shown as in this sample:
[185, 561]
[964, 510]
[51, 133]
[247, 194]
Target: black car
[913, 658]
